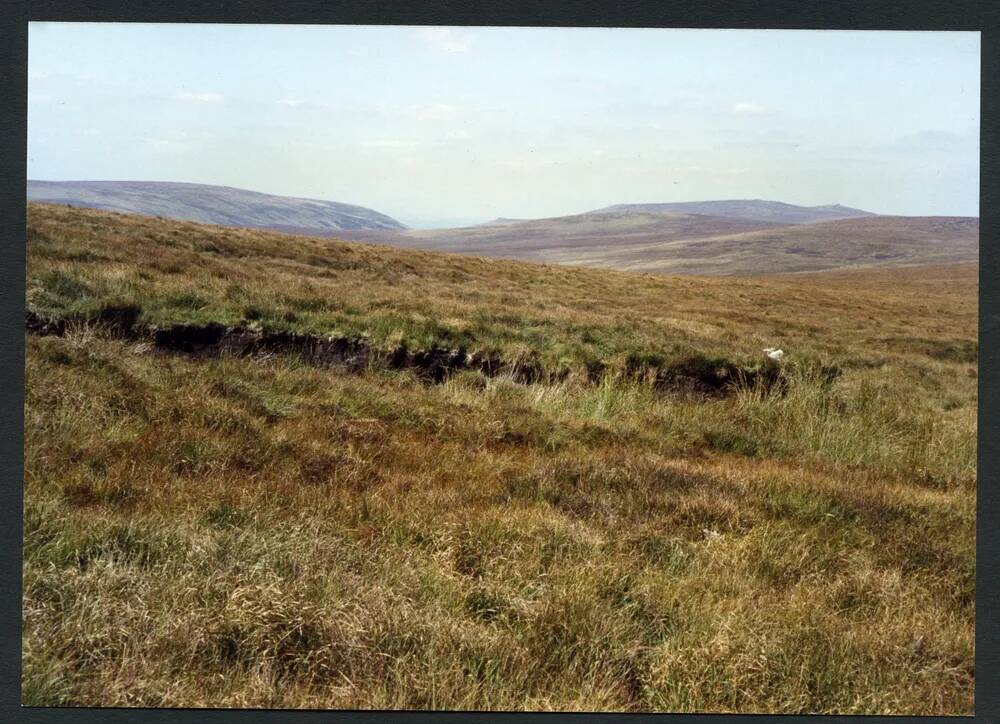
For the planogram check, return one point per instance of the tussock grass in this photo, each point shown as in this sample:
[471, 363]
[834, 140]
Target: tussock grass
[265, 533]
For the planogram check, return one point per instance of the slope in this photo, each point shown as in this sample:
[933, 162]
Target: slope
[550, 239]
[881, 241]
[211, 204]
[263, 527]
[758, 209]
[693, 244]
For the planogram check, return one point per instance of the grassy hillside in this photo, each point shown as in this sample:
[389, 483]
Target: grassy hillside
[261, 530]
[635, 239]
[881, 241]
[210, 204]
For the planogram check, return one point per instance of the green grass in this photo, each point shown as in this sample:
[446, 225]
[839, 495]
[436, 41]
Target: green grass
[259, 532]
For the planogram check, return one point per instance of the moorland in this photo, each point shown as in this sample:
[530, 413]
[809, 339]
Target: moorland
[269, 470]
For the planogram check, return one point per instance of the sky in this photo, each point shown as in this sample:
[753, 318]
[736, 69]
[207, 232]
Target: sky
[447, 126]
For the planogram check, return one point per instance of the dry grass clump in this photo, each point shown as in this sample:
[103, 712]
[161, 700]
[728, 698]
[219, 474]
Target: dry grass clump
[260, 532]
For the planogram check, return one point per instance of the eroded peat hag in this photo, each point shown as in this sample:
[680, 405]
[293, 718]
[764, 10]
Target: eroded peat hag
[264, 470]
[353, 355]
[692, 375]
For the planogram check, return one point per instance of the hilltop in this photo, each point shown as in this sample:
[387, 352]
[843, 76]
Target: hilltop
[211, 205]
[681, 242]
[758, 209]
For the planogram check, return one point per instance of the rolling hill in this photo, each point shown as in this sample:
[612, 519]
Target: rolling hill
[723, 237]
[221, 205]
[757, 209]
[877, 241]
[548, 239]
[243, 487]
[686, 243]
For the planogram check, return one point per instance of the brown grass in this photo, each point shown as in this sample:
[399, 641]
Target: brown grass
[262, 532]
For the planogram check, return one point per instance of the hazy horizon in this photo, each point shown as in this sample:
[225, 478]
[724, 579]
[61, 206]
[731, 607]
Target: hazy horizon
[450, 126]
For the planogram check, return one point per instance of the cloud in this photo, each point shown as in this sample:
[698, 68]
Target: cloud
[446, 40]
[387, 143]
[39, 97]
[179, 141]
[749, 109]
[406, 162]
[575, 84]
[432, 112]
[527, 163]
[687, 104]
[290, 102]
[770, 140]
[934, 140]
[189, 97]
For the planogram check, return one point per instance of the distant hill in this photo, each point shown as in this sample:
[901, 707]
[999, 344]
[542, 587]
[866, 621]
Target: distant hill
[545, 239]
[212, 205]
[866, 242]
[502, 221]
[674, 242]
[723, 237]
[774, 211]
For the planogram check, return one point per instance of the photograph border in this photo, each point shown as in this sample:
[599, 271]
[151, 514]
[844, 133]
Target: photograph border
[786, 14]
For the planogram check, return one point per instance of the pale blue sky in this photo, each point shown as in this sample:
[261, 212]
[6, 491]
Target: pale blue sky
[439, 126]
